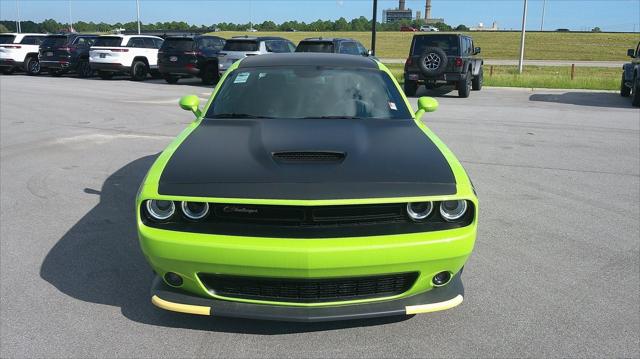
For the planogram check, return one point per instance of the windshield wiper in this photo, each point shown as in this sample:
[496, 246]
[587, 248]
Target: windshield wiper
[238, 115]
[335, 117]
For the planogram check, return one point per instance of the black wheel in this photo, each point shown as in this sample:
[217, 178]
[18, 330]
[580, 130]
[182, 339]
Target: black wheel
[105, 75]
[635, 96]
[84, 69]
[32, 66]
[625, 91]
[433, 62]
[464, 86]
[478, 81]
[139, 71]
[171, 79]
[410, 88]
[210, 74]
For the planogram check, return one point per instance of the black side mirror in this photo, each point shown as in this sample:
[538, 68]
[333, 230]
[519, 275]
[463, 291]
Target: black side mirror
[631, 53]
[477, 50]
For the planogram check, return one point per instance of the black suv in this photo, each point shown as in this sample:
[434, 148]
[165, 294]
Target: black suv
[332, 45]
[190, 56]
[443, 59]
[62, 53]
[630, 84]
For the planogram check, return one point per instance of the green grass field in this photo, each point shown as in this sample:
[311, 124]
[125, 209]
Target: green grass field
[496, 45]
[590, 78]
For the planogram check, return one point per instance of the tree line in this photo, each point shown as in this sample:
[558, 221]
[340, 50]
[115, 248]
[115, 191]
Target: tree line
[357, 24]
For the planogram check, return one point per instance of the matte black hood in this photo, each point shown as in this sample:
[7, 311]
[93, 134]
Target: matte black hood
[235, 159]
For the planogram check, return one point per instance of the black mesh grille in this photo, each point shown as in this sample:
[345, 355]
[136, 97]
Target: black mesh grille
[309, 290]
[296, 156]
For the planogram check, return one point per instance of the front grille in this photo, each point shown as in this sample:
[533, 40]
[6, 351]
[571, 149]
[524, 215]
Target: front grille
[296, 156]
[308, 290]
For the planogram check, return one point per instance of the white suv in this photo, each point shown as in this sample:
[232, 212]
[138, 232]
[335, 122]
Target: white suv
[20, 51]
[428, 28]
[239, 47]
[135, 55]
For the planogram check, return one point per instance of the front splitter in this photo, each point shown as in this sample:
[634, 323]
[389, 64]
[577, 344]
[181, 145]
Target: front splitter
[437, 299]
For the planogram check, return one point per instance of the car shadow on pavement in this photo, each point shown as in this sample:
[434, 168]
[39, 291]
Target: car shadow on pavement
[99, 261]
[596, 99]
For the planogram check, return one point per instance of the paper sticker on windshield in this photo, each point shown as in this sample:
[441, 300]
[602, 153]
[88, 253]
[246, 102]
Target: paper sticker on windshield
[241, 78]
[392, 105]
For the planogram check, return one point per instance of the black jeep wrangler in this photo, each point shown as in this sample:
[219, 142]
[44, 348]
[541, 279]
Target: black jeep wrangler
[190, 56]
[630, 84]
[443, 59]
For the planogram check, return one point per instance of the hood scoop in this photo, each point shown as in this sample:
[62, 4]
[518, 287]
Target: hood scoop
[309, 156]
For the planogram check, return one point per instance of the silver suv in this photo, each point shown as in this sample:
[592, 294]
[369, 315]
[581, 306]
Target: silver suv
[239, 47]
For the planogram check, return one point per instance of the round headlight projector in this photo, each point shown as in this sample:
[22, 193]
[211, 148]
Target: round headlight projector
[160, 210]
[418, 211]
[195, 210]
[453, 210]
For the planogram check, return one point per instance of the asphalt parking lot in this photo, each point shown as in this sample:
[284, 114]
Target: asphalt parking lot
[555, 271]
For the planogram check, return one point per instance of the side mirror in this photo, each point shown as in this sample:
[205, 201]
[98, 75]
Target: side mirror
[426, 104]
[369, 53]
[191, 103]
[477, 50]
[631, 53]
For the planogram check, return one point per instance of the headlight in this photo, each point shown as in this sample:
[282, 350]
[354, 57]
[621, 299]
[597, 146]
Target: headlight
[453, 210]
[160, 210]
[418, 211]
[195, 210]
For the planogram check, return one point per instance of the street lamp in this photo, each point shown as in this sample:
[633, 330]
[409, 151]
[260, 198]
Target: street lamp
[18, 27]
[373, 27]
[524, 25]
[138, 13]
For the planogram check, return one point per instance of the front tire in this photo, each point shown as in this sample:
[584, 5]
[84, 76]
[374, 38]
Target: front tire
[464, 86]
[139, 71]
[410, 88]
[210, 74]
[84, 69]
[478, 81]
[635, 97]
[32, 67]
[624, 90]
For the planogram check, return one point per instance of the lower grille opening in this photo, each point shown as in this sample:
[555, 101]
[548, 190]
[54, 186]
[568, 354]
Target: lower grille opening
[309, 290]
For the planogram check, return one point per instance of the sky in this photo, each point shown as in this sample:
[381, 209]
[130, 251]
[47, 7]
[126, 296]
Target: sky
[609, 15]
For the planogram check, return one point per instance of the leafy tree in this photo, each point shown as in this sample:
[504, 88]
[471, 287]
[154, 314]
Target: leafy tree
[461, 28]
[3, 28]
[341, 25]
[596, 29]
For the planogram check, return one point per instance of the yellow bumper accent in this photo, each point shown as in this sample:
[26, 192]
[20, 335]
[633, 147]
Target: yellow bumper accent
[182, 308]
[434, 307]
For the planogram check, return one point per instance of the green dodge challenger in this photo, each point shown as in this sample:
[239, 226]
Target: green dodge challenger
[307, 190]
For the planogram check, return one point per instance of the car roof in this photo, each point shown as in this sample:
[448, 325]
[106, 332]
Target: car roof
[257, 38]
[328, 39]
[193, 36]
[23, 34]
[130, 36]
[305, 59]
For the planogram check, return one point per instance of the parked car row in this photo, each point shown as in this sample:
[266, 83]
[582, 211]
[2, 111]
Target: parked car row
[139, 56]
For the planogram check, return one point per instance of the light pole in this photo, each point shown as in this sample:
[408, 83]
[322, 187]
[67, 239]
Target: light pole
[524, 25]
[138, 14]
[70, 21]
[544, 6]
[373, 27]
[18, 27]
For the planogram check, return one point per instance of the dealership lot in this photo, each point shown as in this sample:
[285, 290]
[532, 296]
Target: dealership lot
[555, 271]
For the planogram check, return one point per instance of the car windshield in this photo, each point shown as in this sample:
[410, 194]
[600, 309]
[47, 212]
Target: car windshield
[7, 39]
[211, 43]
[54, 41]
[448, 43]
[180, 44]
[108, 41]
[308, 92]
[240, 45]
[315, 46]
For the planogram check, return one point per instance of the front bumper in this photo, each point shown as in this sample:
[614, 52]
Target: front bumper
[437, 299]
[56, 64]
[182, 70]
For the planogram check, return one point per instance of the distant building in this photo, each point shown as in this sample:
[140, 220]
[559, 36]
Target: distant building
[481, 27]
[398, 14]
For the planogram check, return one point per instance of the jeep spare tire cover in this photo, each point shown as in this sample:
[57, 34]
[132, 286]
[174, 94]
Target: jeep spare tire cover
[433, 61]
